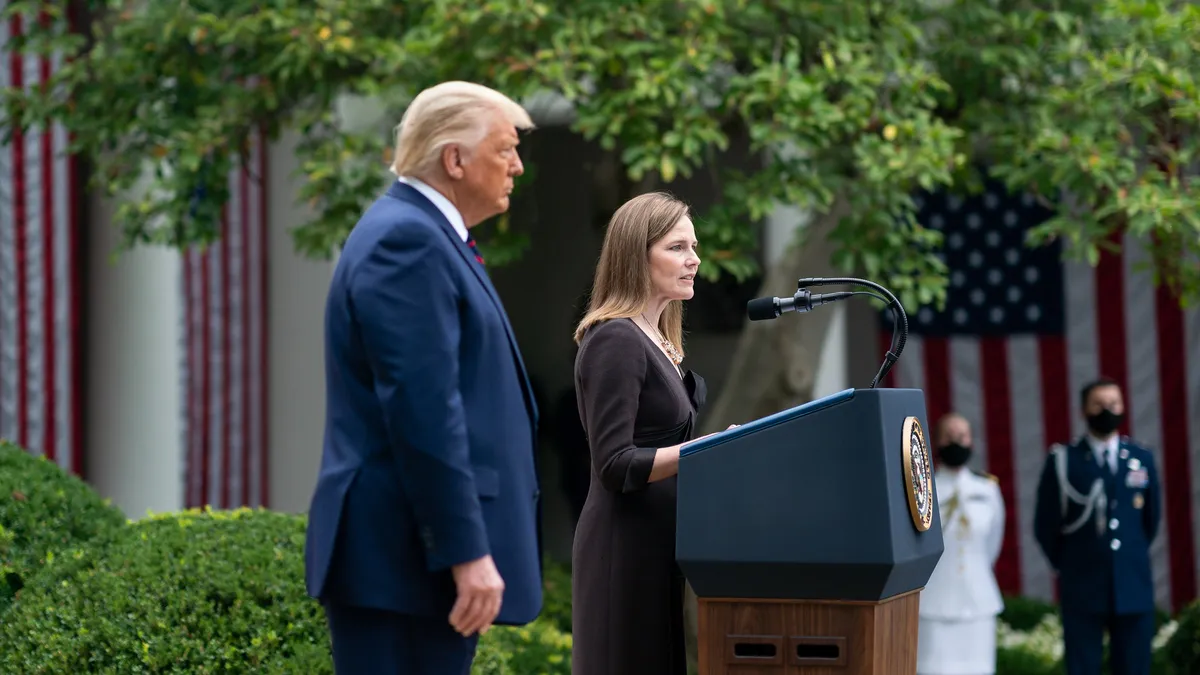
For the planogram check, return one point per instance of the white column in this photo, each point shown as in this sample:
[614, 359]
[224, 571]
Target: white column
[132, 414]
[295, 343]
[832, 376]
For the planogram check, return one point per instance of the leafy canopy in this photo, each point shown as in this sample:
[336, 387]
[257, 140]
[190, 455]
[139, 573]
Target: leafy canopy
[861, 103]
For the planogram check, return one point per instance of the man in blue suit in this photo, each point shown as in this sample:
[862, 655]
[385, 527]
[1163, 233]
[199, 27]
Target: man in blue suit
[423, 525]
[1098, 510]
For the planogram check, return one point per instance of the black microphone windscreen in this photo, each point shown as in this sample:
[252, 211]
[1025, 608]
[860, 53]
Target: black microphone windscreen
[760, 309]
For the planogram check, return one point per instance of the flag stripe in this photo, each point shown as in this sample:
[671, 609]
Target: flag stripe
[1110, 319]
[1173, 363]
[224, 325]
[936, 378]
[73, 352]
[187, 369]
[260, 295]
[235, 364]
[245, 442]
[19, 225]
[1082, 344]
[39, 277]
[206, 374]
[997, 426]
[49, 440]
[1027, 399]
[226, 358]
[1142, 405]
[1191, 409]
[966, 390]
[31, 301]
[1055, 410]
[6, 298]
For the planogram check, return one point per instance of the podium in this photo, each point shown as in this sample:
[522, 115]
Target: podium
[808, 535]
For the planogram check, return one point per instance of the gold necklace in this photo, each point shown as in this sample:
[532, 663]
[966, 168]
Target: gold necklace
[672, 353]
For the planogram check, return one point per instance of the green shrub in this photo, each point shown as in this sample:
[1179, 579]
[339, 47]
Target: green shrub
[539, 648]
[490, 658]
[1023, 614]
[556, 598]
[1182, 648]
[1017, 661]
[186, 593]
[206, 592]
[44, 511]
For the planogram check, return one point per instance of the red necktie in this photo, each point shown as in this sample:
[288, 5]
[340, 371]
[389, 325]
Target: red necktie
[471, 243]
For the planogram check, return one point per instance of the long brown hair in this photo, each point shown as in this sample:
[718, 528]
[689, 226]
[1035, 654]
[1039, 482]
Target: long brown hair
[621, 288]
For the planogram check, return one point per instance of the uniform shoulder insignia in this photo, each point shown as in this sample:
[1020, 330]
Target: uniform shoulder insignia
[984, 474]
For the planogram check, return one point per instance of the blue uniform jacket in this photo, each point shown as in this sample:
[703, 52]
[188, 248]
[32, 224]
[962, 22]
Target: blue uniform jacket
[1104, 564]
[430, 421]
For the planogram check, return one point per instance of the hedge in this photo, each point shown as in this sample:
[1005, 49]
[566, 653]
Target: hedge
[204, 592]
[44, 511]
[197, 592]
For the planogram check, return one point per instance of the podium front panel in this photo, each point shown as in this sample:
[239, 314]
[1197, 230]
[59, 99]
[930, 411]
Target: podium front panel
[810, 503]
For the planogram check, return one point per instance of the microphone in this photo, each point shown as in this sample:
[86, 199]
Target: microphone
[762, 309]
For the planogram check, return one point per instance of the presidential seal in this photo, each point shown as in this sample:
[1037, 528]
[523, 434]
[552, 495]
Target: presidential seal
[918, 475]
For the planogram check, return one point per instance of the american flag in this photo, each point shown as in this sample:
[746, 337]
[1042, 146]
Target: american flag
[1020, 335]
[40, 202]
[224, 368]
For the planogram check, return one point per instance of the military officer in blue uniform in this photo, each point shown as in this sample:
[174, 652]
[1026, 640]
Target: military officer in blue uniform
[1098, 510]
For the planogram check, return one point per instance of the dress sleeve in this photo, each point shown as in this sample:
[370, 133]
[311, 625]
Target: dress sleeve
[612, 371]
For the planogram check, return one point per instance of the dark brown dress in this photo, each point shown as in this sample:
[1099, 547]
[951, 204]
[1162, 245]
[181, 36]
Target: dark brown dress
[627, 611]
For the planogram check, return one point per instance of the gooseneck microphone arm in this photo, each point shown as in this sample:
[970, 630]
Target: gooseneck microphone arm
[899, 318]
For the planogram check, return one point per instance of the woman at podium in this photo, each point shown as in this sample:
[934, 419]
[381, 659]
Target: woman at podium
[638, 406]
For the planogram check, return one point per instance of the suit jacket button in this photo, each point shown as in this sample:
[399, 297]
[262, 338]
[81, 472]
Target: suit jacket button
[1116, 544]
[427, 537]
[537, 494]
[1112, 524]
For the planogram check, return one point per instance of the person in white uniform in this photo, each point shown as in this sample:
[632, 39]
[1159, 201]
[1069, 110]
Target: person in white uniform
[959, 605]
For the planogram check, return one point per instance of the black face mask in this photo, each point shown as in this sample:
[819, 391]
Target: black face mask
[1104, 422]
[954, 454]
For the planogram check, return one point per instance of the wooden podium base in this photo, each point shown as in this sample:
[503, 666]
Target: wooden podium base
[748, 636]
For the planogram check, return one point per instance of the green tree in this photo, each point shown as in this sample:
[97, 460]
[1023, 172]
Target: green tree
[1092, 105]
[868, 101]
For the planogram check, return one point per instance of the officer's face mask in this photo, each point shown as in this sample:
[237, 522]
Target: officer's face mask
[1104, 422]
[954, 454]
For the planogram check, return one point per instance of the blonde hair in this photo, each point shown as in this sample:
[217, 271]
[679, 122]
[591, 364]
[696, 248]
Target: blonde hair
[447, 114]
[621, 288]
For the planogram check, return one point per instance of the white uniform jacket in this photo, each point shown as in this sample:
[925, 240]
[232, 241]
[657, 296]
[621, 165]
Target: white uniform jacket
[963, 585]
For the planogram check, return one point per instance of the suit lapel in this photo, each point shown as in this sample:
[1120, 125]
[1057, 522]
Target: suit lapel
[409, 194]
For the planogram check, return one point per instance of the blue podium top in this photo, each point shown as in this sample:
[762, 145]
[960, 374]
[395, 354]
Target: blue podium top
[767, 422]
